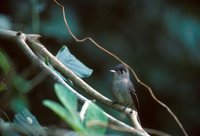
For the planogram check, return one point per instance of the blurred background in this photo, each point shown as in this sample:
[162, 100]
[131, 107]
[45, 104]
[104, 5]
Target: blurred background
[159, 39]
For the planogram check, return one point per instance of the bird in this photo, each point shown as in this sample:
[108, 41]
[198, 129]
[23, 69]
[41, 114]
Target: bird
[123, 89]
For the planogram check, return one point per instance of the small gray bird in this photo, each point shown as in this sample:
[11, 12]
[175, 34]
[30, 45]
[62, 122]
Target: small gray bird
[122, 88]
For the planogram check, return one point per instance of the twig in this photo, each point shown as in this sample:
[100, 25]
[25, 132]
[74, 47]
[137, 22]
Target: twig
[102, 124]
[122, 129]
[117, 58]
[5, 115]
[156, 132]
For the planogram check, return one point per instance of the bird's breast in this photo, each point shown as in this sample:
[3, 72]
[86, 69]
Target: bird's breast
[120, 91]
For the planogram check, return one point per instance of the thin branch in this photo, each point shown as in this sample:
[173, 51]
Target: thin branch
[156, 132]
[103, 124]
[117, 58]
[5, 115]
[38, 79]
[122, 129]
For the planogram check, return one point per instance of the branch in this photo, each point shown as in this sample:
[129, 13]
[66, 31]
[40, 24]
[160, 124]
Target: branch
[77, 80]
[87, 88]
[22, 38]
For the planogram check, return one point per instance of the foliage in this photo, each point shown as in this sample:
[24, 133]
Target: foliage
[73, 63]
[68, 112]
[4, 63]
[4, 67]
[14, 83]
[92, 115]
[23, 123]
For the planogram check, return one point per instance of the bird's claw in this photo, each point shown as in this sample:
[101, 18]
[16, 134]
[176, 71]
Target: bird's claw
[127, 107]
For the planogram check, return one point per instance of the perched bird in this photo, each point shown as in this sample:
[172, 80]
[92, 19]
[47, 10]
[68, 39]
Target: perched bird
[122, 88]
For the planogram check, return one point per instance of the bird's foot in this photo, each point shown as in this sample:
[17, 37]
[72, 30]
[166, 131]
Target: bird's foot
[126, 107]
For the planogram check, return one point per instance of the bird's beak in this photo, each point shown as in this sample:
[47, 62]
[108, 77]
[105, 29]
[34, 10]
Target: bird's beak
[113, 71]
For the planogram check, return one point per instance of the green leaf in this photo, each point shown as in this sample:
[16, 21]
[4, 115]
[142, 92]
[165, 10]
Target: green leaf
[73, 63]
[93, 116]
[5, 128]
[58, 109]
[67, 98]
[18, 103]
[4, 63]
[69, 101]
[64, 114]
[21, 84]
[2, 86]
[6, 22]
[24, 123]
[27, 123]
[47, 62]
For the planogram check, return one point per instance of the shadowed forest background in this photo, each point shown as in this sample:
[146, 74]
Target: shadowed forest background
[159, 39]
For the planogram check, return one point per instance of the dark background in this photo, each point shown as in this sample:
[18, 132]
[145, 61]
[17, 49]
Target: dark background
[159, 39]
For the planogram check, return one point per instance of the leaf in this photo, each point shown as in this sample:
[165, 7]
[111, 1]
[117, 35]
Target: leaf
[28, 124]
[24, 123]
[67, 98]
[2, 86]
[5, 22]
[4, 63]
[21, 84]
[64, 114]
[69, 101]
[5, 128]
[58, 109]
[73, 63]
[95, 114]
[18, 103]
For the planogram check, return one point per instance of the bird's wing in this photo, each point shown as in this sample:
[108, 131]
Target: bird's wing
[134, 95]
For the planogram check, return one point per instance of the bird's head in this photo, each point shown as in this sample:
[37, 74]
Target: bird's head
[120, 72]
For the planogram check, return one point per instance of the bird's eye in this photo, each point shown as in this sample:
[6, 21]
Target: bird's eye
[122, 71]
